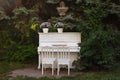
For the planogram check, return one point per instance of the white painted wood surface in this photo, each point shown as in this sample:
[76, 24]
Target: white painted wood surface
[48, 58]
[54, 39]
[66, 38]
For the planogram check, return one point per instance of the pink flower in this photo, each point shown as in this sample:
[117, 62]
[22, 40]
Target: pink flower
[45, 25]
[59, 25]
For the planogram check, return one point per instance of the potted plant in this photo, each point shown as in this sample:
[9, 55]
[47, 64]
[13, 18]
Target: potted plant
[45, 26]
[59, 26]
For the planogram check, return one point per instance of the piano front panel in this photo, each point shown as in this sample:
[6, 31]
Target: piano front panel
[67, 38]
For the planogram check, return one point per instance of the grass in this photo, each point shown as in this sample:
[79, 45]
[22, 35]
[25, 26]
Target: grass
[6, 67]
[9, 66]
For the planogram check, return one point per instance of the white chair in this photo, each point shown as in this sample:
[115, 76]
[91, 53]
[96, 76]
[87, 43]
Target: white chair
[63, 58]
[47, 57]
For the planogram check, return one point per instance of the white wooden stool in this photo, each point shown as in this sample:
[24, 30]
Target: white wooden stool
[63, 58]
[48, 57]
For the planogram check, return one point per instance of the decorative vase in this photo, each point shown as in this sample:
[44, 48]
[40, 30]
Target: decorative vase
[62, 9]
[45, 30]
[60, 30]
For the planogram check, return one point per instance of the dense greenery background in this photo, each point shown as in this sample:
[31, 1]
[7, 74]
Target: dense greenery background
[97, 20]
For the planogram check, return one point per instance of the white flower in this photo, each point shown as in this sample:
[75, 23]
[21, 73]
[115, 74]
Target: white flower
[59, 25]
[45, 25]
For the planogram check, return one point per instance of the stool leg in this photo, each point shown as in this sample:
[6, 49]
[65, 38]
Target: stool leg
[39, 61]
[52, 70]
[42, 70]
[68, 69]
[58, 69]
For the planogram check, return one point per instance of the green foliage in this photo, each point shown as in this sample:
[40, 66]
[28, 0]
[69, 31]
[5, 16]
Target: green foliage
[21, 53]
[3, 15]
[100, 46]
[11, 49]
[68, 23]
[20, 11]
[21, 19]
[9, 66]
[15, 35]
[53, 1]
[9, 5]
[98, 50]
[97, 20]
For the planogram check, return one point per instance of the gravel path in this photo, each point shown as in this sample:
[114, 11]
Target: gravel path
[32, 72]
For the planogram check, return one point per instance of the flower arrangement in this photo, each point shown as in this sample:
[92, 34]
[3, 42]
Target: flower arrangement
[45, 25]
[59, 25]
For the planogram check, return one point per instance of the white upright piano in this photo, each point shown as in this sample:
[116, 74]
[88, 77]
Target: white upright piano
[70, 39]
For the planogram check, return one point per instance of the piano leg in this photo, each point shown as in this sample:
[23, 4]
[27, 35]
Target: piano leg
[39, 60]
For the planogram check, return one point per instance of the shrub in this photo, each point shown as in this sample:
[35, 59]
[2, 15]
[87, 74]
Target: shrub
[21, 53]
[100, 45]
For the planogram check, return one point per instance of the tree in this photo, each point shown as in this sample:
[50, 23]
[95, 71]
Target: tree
[98, 22]
[9, 5]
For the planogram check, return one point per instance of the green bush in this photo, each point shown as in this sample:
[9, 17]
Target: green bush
[21, 53]
[100, 47]
[98, 50]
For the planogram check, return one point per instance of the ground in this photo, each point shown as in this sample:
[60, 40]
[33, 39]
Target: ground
[33, 72]
[22, 71]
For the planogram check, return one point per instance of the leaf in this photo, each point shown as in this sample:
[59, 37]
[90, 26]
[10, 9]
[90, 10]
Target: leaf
[53, 1]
